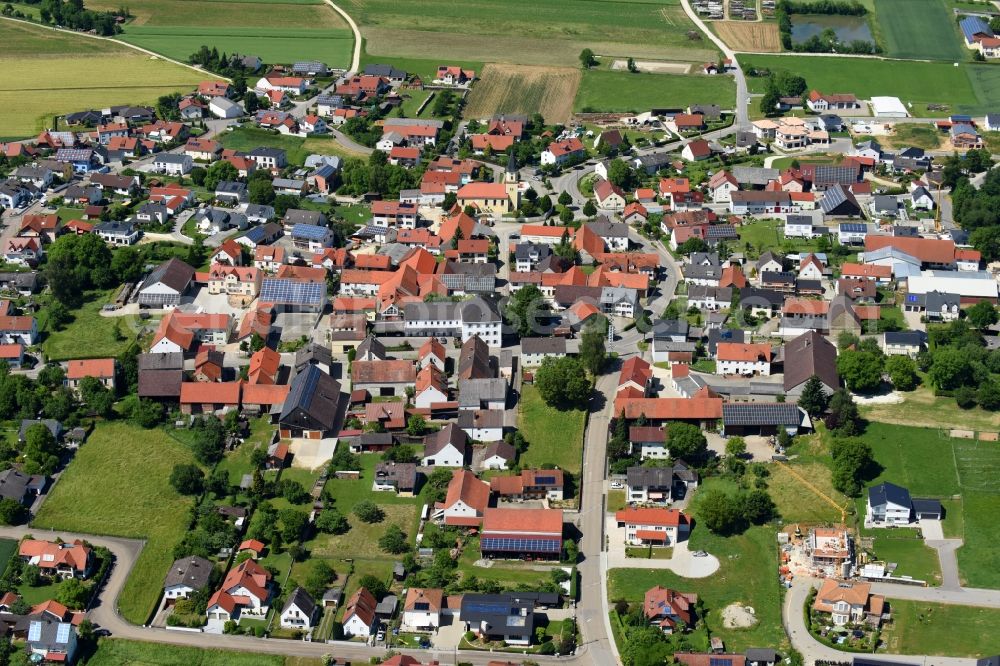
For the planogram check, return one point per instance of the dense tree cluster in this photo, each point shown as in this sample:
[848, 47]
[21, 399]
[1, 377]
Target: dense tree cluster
[563, 382]
[72, 14]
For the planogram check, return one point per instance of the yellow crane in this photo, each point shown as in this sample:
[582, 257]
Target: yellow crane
[817, 491]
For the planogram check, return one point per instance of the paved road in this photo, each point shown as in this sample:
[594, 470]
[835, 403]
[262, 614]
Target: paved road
[592, 612]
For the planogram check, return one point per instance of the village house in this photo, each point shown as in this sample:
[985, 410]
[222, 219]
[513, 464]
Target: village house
[66, 560]
[668, 609]
[466, 499]
[530, 484]
[849, 603]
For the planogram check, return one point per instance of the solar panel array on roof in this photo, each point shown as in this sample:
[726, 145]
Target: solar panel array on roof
[720, 661]
[518, 544]
[760, 413]
[545, 479]
[291, 292]
[34, 631]
[853, 227]
[62, 633]
[309, 231]
[487, 606]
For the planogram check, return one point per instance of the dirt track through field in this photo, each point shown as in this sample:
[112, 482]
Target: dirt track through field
[756, 37]
[524, 90]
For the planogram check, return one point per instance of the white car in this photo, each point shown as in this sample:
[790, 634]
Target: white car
[617, 484]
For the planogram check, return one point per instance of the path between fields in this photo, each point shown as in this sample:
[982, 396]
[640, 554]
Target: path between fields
[356, 57]
[122, 43]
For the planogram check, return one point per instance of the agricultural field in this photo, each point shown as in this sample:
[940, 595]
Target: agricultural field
[524, 90]
[528, 32]
[920, 29]
[602, 90]
[752, 36]
[49, 73]
[115, 489]
[88, 335]
[969, 88]
[281, 31]
[284, 45]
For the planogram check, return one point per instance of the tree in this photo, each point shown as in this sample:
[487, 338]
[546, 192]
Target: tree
[758, 507]
[331, 521]
[72, 593]
[12, 512]
[565, 216]
[950, 368]
[632, 67]
[97, 396]
[592, 351]
[416, 425]
[319, 578]
[720, 512]
[260, 191]
[75, 264]
[394, 540]
[988, 395]
[861, 370]
[376, 586]
[142, 412]
[59, 316]
[686, 441]
[126, 263]
[589, 209]
[902, 371]
[293, 524]
[571, 552]
[564, 198]
[965, 397]
[852, 457]
[619, 173]
[220, 171]
[51, 375]
[368, 512]
[769, 101]
[982, 315]
[813, 398]
[844, 418]
[198, 175]
[587, 59]
[523, 308]
[187, 479]
[563, 382]
[41, 450]
[736, 447]
[691, 245]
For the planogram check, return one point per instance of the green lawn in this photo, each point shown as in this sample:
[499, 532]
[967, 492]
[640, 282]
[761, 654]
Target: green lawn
[36, 595]
[942, 629]
[119, 652]
[89, 335]
[602, 90]
[916, 458]
[915, 559]
[917, 135]
[747, 575]
[554, 436]
[922, 408]
[922, 29]
[970, 88]
[117, 485]
[796, 502]
[248, 138]
[766, 235]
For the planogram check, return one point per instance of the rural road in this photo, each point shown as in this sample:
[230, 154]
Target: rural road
[356, 57]
[742, 96]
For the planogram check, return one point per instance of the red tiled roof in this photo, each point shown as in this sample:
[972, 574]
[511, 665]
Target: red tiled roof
[100, 368]
[471, 491]
[510, 521]
[927, 250]
[210, 393]
[670, 408]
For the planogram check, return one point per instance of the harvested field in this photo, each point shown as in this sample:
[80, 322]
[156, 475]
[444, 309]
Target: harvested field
[654, 67]
[747, 36]
[524, 90]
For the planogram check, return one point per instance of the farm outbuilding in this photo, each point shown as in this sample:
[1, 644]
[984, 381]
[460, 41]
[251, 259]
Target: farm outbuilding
[889, 107]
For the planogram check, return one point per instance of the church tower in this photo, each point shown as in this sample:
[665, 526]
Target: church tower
[510, 181]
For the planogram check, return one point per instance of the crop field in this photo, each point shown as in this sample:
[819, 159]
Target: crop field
[528, 32]
[332, 46]
[749, 36]
[918, 29]
[525, 90]
[626, 92]
[49, 73]
[966, 89]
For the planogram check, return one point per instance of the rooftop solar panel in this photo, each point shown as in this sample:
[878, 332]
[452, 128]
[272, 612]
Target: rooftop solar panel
[292, 292]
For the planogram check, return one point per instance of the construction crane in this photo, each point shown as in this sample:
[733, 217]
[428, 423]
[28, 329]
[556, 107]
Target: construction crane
[817, 491]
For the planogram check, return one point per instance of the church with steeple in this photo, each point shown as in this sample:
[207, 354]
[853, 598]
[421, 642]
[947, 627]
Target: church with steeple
[497, 198]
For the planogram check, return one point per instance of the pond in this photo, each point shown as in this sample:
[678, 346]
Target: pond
[848, 28]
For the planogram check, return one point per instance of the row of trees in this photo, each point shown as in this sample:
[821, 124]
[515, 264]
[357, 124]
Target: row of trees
[72, 14]
[227, 65]
[862, 365]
